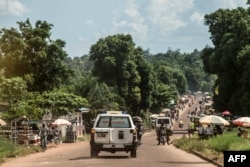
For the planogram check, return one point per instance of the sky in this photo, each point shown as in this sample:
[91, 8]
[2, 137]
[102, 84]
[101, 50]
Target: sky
[156, 25]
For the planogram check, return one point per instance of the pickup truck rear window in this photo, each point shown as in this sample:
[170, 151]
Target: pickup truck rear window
[166, 121]
[113, 122]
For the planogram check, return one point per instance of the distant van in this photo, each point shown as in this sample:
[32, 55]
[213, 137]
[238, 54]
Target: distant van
[166, 120]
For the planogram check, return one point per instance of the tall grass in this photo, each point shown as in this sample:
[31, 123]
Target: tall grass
[8, 149]
[227, 141]
[189, 145]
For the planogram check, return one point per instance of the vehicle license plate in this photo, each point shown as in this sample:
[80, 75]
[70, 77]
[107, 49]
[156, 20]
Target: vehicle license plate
[119, 146]
[113, 146]
[101, 134]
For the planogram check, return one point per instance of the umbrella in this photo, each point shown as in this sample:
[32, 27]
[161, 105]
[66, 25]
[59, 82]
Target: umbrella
[242, 121]
[226, 113]
[2, 122]
[61, 122]
[213, 119]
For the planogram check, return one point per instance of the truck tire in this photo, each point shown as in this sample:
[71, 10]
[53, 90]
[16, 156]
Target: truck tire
[133, 153]
[93, 153]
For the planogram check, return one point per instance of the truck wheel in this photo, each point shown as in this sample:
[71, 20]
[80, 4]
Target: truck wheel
[93, 153]
[133, 153]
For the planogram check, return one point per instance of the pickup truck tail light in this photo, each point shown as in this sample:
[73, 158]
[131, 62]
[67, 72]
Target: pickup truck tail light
[133, 131]
[92, 133]
[134, 134]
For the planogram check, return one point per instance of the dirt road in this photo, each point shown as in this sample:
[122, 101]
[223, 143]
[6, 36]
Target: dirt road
[78, 155]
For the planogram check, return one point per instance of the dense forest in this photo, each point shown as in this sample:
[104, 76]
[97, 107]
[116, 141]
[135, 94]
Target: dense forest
[37, 76]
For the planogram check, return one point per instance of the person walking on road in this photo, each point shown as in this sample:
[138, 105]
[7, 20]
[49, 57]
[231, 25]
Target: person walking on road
[43, 134]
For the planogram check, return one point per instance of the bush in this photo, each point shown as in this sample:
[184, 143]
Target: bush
[9, 149]
[215, 145]
[189, 145]
[229, 141]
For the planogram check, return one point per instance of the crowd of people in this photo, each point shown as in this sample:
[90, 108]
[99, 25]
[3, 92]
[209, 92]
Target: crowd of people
[196, 107]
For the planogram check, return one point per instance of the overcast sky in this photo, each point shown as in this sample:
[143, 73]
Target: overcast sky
[154, 24]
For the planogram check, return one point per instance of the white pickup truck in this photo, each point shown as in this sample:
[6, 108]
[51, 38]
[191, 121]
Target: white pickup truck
[113, 132]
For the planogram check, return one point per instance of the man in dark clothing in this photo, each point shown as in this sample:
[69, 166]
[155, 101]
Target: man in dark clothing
[43, 134]
[162, 129]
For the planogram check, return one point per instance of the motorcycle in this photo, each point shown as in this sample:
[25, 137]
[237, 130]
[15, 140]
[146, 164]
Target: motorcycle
[140, 132]
[162, 136]
[54, 138]
[180, 125]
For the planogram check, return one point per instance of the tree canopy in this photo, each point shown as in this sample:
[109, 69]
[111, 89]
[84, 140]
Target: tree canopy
[38, 77]
[229, 58]
[29, 52]
[119, 64]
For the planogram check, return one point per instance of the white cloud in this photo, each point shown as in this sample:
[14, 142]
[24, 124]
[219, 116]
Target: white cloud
[165, 14]
[197, 17]
[97, 35]
[13, 7]
[130, 18]
[89, 22]
[3, 4]
[232, 3]
[81, 38]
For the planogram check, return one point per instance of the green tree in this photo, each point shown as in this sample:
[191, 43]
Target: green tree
[60, 103]
[115, 64]
[172, 77]
[163, 95]
[29, 52]
[230, 35]
[13, 90]
[146, 85]
[24, 108]
[101, 98]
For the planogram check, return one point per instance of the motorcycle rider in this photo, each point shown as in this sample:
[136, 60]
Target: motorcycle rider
[140, 129]
[159, 130]
[180, 123]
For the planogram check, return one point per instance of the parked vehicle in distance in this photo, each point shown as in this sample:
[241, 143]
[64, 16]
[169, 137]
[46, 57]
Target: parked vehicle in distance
[112, 132]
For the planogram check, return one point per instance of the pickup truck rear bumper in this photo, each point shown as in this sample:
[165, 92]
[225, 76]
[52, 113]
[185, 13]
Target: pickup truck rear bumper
[114, 147]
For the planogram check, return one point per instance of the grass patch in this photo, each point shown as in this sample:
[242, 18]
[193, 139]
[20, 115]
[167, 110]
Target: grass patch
[229, 141]
[9, 150]
[189, 145]
[214, 146]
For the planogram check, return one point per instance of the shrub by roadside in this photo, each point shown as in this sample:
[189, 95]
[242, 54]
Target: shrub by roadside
[214, 147]
[9, 150]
